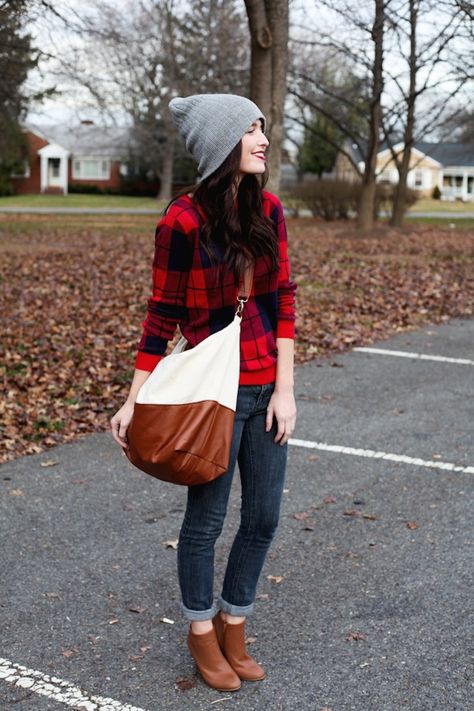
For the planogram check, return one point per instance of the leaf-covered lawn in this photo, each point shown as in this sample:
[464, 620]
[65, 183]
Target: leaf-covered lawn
[354, 290]
[74, 293]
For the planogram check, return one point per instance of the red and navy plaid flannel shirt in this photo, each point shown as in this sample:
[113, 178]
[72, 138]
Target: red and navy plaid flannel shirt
[191, 291]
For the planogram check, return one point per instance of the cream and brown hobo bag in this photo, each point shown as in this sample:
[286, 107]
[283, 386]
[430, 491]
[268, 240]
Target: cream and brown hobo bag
[183, 419]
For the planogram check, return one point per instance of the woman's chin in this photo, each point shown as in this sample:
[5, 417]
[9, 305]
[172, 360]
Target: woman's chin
[254, 171]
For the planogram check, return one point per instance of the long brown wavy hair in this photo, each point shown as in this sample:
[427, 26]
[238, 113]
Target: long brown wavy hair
[239, 232]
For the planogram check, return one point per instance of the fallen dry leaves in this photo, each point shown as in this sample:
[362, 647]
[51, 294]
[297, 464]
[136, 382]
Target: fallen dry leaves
[143, 650]
[356, 636]
[69, 653]
[355, 290]
[74, 292]
[275, 578]
[184, 683]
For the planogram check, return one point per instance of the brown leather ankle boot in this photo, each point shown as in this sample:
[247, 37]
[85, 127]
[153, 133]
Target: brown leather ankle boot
[231, 640]
[214, 668]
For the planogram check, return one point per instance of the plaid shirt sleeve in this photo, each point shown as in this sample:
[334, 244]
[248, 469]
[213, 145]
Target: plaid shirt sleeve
[166, 307]
[286, 287]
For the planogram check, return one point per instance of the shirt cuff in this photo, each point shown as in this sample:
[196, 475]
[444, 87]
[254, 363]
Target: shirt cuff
[146, 361]
[285, 329]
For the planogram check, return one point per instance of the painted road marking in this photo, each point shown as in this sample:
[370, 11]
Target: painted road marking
[57, 689]
[373, 454]
[421, 356]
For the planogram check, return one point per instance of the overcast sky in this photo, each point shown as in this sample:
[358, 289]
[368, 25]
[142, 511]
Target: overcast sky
[73, 105]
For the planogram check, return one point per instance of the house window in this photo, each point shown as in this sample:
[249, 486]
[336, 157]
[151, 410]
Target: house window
[91, 169]
[418, 179]
[452, 181]
[384, 176]
[22, 171]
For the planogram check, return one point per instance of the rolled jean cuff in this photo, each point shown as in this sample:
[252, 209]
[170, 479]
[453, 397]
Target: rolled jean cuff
[199, 614]
[236, 610]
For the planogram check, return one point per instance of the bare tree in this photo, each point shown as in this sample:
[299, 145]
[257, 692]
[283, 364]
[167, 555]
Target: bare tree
[432, 65]
[134, 57]
[417, 86]
[355, 107]
[365, 213]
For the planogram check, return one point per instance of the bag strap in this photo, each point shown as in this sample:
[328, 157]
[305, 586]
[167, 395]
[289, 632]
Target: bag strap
[246, 287]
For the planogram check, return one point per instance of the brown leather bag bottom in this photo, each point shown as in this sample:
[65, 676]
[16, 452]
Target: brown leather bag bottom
[182, 444]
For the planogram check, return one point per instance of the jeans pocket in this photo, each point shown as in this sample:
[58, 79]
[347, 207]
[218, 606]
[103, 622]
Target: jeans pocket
[264, 398]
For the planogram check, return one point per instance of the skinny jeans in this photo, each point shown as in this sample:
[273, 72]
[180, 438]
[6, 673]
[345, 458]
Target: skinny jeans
[262, 465]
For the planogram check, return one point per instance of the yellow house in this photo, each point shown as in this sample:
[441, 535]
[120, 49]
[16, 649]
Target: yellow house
[450, 166]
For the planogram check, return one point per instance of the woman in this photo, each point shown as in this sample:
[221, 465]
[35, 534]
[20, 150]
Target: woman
[211, 236]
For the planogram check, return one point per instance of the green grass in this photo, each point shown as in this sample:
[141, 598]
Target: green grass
[422, 205]
[81, 200]
[430, 205]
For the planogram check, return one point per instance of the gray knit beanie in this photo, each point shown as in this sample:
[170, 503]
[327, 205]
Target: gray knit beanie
[212, 125]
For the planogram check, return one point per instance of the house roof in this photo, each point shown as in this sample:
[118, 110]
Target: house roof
[85, 139]
[448, 154]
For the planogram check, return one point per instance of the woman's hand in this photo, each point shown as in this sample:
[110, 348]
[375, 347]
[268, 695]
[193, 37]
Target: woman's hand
[282, 405]
[120, 422]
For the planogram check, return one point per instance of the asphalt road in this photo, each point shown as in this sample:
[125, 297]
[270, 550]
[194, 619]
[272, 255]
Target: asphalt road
[147, 211]
[374, 608]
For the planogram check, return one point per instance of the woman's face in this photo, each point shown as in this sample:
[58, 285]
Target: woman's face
[254, 145]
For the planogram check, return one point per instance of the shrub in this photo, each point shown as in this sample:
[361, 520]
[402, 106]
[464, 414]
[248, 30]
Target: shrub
[6, 187]
[329, 199]
[84, 188]
[112, 191]
[411, 197]
[333, 199]
[385, 196]
[135, 188]
[436, 194]
[6, 169]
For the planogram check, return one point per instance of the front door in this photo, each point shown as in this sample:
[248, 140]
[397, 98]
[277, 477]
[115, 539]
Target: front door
[54, 174]
[470, 187]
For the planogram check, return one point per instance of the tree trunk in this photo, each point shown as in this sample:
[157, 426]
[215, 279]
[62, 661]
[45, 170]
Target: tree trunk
[166, 174]
[171, 69]
[398, 209]
[268, 25]
[260, 56]
[365, 214]
[366, 207]
[278, 18]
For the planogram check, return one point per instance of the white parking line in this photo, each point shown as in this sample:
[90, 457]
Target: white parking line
[373, 454]
[409, 354]
[57, 689]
